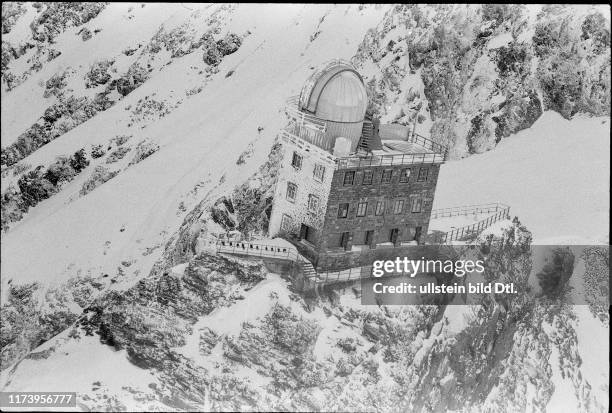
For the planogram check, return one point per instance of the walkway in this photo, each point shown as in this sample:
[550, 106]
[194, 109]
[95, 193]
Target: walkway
[494, 212]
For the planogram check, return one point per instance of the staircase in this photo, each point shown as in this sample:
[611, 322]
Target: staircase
[307, 269]
[367, 136]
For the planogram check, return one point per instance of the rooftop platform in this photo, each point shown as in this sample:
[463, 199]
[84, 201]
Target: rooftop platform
[400, 146]
[412, 150]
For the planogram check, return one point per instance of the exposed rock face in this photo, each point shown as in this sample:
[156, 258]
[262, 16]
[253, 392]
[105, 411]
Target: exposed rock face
[134, 77]
[56, 17]
[143, 150]
[11, 11]
[97, 178]
[29, 318]
[470, 76]
[98, 74]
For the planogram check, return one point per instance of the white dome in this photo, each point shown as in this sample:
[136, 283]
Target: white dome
[343, 99]
[335, 93]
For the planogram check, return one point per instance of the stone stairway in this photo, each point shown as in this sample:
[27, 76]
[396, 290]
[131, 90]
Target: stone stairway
[307, 269]
[367, 135]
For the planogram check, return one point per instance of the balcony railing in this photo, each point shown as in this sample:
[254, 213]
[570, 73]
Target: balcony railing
[257, 249]
[473, 230]
[307, 145]
[428, 144]
[389, 160]
[302, 118]
[468, 210]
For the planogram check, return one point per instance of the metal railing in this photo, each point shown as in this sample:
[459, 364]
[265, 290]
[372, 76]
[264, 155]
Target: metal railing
[468, 231]
[388, 160]
[288, 136]
[428, 144]
[350, 274]
[304, 119]
[257, 249]
[308, 127]
[467, 210]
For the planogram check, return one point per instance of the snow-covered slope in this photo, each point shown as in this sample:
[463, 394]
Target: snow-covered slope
[554, 175]
[200, 140]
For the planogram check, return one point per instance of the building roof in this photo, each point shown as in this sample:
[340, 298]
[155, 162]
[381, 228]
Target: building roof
[335, 92]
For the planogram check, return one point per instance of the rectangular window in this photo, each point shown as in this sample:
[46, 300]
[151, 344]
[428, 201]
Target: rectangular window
[291, 191]
[319, 172]
[398, 207]
[296, 162]
[369, 238]
[386, 176]
[343, 210]
[362, 207]
[344, 238]
[404, 175]
[349, 177]
[286, 223]
[394, 235]
[313, 203]
[416, 205]
[423, 172]
[380, 208]
[367, 177]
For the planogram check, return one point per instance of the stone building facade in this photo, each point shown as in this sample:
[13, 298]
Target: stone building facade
[346, 196]
[302, 189]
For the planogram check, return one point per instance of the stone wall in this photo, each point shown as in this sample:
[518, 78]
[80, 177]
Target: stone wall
[333, 261]
[406, 221]
[306, 183]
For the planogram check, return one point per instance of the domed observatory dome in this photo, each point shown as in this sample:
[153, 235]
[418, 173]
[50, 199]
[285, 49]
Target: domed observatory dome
[336, 95]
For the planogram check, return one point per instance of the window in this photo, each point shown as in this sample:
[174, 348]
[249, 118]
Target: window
[313, 203]
[394, 235]
[416, 205]
[319, 172]
[380, 208]
[296, 162]
[386, 176]
[291, 191]
[369, 238]
[362, 207]
[404, 175]
[343, 210]
[286, 223]
[398, 207]
[349, 177]
[423, 172]
[367, 177]
[344, 238]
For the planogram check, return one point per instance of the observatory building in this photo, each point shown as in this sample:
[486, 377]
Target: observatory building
[349, 190]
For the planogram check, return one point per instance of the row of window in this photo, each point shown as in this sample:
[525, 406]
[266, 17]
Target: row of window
[387, 174]
[318, 172]
[416, 206]
[368, 175]
[367, 237]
